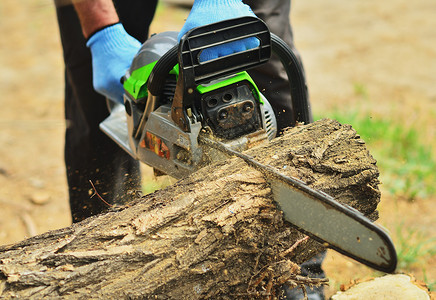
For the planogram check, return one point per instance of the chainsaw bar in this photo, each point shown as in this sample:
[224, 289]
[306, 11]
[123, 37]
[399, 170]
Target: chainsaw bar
[320, 216]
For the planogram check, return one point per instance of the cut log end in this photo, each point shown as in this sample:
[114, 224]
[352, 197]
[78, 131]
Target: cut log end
[399, 287]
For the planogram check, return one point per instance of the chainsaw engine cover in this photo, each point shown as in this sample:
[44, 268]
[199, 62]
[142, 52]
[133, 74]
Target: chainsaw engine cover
[231, 111]
[169, 102]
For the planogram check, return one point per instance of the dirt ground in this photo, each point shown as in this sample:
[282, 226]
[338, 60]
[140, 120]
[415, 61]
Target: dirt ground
[389, 47]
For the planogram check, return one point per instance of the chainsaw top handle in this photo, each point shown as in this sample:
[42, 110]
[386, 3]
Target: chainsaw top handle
[193, 72]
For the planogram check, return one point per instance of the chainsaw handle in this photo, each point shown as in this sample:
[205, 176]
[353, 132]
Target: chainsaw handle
[158, 75]
[288, 58]
[196, 40]
[297, 80]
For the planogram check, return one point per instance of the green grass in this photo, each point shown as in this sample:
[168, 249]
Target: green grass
[151, 183]
[414, 250]
[413, 247]
[406, 163]
[431, 283]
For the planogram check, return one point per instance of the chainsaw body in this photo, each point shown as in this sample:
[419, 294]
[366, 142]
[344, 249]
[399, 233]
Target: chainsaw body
[171, 98]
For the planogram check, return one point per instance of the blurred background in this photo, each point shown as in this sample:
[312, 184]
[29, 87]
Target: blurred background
[371, 64]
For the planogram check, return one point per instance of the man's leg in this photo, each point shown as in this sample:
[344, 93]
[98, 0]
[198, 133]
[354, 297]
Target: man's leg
[273, 82]
[271, 78]
[313, 269]
[89, 154]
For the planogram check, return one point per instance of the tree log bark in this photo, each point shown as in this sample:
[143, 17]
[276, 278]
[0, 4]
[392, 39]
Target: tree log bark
[216, 234]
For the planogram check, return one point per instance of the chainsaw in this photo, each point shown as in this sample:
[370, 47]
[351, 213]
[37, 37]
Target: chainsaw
[181, 114]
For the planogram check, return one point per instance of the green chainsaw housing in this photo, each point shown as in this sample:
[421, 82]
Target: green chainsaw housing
[230, 107]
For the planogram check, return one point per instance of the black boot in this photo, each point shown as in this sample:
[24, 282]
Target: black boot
[313, 269]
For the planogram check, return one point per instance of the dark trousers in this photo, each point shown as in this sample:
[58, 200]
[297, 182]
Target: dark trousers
[271, 79]
[90, 156]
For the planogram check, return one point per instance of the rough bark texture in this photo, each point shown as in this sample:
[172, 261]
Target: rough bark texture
[215, 234]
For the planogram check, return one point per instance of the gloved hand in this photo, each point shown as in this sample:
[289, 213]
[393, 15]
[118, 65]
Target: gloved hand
[112, 50]
[205, 12]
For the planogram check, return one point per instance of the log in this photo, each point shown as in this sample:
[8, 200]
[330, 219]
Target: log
[216, 234]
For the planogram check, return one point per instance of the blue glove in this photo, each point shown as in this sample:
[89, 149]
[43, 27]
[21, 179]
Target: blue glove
[205, 12]
[112, 50]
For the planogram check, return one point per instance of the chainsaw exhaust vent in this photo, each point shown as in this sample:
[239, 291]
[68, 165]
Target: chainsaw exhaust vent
[269, 119]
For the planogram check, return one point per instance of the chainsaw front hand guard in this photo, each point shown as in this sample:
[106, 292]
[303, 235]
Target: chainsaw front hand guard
[193, 72]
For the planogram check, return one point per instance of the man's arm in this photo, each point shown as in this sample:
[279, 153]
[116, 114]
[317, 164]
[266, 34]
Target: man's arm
[95, 15]
[112, 48]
